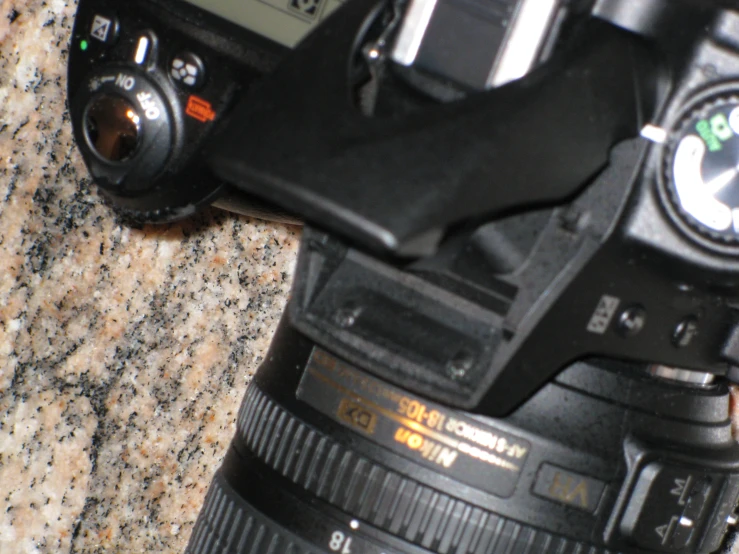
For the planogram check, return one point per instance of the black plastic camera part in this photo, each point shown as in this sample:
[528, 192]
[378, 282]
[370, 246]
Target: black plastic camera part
[599, 278]
[148, 83]
[398, 183]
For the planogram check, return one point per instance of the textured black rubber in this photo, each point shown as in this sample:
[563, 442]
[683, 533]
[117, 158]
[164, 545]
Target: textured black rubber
[374, 494]
[301, 478]
[230, 525]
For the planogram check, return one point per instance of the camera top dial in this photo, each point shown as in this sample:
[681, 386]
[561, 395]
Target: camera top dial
[703, 170]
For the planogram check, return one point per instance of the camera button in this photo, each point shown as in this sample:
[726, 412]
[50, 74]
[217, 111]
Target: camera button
[143, 48]
[104, 28]
[187, 70]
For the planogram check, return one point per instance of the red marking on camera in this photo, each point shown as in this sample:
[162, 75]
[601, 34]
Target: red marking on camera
[200, 109]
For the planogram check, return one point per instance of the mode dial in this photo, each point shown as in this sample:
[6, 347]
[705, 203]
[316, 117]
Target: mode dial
[702, 169]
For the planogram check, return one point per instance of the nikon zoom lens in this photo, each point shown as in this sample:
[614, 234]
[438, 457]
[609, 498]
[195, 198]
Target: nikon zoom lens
[330, 459]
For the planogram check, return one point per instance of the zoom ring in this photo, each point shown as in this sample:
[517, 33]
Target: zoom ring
[379, 496]
[227, 525]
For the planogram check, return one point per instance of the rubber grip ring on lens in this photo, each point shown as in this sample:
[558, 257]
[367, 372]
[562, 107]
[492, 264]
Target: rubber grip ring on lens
[227, 524]
[379, 496]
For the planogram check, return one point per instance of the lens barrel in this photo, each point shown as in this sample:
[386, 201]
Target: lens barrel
[327, 458]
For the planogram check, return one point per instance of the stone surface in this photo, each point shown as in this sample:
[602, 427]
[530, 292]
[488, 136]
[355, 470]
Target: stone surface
[124, 352]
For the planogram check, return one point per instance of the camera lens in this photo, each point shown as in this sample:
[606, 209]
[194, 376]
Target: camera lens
[328, 458]
[113, 128]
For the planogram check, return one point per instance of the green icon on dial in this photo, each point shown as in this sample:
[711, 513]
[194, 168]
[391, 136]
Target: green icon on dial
[705, 170]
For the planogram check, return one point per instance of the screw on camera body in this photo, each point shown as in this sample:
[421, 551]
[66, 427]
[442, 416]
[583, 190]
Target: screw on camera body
[460, 364]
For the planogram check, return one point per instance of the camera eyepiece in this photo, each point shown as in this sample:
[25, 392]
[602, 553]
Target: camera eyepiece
[112, 128]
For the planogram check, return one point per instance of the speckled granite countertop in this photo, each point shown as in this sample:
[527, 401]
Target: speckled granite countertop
[124, 353]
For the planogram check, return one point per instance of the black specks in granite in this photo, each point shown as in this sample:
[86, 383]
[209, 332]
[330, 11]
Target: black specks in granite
[20, 127]
[116, 341]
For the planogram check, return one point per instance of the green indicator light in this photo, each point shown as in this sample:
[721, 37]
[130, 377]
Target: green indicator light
[83, 45]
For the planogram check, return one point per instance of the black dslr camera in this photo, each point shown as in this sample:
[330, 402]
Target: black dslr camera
[515, 316]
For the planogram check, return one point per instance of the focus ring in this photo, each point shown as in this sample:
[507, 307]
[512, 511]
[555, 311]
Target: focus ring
[228, 525]
[379, 496]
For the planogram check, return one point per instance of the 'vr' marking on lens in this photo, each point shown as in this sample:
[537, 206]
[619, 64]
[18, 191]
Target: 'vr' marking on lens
[568, 490]
[568, 487]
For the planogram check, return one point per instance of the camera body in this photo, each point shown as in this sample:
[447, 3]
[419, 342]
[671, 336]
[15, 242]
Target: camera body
[514, 321]
[149, 82]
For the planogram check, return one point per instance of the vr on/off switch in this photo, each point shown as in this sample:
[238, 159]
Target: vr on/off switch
[669, 507]
[187, 70]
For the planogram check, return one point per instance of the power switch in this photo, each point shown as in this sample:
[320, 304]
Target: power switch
[667, 508]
